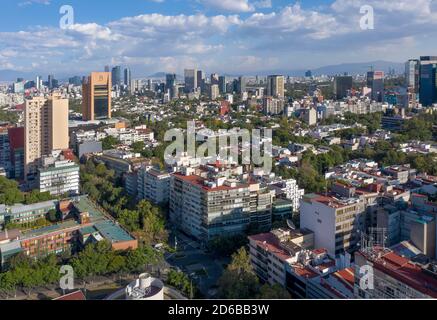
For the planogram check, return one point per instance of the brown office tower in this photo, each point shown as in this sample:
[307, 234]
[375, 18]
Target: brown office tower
[45, 129]
[96, 92]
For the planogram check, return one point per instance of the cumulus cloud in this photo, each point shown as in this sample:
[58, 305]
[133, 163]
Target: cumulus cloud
[241, 39]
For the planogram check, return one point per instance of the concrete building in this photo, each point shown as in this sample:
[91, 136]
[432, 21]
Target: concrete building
[87, 223]
[342, 86]
[412, 74]
[275, 86]
[272, 106]
[97, 95]
[208, 207]
[395, 277]
[214, 92]
[309, 116]
[153, 185]
[271, 252]
[45, 130]
[335, 222]
[58, 176]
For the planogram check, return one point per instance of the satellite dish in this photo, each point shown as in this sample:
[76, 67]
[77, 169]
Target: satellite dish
[291, 224]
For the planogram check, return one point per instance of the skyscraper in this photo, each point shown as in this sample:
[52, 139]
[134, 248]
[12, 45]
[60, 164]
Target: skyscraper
[116, 76]
[342, 86]
[96, 93]
[51, 80]
[201, 81]
[214, 78]
[222, 84]
[45, 129]
[412, 74]
[375, 80]
[190, 80]
[170, 80]
[241, 85]
[106, 69]
[275, 86]
[127, 77]
[428, 83]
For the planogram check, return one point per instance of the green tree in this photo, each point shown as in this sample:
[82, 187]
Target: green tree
[109, 143]
[238, 280]
[273, 292]
[9, 192]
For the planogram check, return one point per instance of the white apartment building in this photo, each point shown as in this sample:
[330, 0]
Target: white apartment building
[206, 207]
[60, 177]
[336, 223]
[153, 185]
[288, 189]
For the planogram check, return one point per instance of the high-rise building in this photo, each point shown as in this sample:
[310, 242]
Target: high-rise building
[308, 74]
[5, 152]
[214, 91]
[45, 129]
[342, 86]
[51, 80]
[275, 86]
[190, 80]
[222, 84]
[107, 69]
[16, 142]
[116, 76]
[428, 83]
[241, 85]
[412, 74]
[170, 81]
[375, 81]
[209, 208]
[38, 82]
[335, 223]
[272, 106]
[19, 87]
[214, 78]
[96, 93]
[127, 77]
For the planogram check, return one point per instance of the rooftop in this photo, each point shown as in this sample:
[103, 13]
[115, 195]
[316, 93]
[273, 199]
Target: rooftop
[403, 270]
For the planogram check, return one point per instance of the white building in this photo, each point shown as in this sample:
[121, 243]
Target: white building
[153, 185]
[335, 222]
[59, 176]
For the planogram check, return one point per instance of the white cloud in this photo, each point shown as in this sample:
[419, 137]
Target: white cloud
[229, 5]
[229, 42]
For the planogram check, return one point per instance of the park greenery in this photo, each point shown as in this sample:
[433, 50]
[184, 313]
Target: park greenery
[97, 259]
[145, 221]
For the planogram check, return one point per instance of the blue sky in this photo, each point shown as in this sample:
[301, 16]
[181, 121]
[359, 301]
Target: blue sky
[230, 36]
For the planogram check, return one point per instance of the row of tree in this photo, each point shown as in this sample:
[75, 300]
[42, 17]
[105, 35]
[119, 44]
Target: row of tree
[95, 260]
[239, 281]
[10, 194]
[146, 221]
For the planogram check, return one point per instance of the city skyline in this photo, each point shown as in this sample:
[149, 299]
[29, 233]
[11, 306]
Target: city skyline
[230, 37]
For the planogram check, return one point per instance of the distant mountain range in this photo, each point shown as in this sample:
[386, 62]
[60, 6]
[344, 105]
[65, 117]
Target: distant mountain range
[350, 68]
